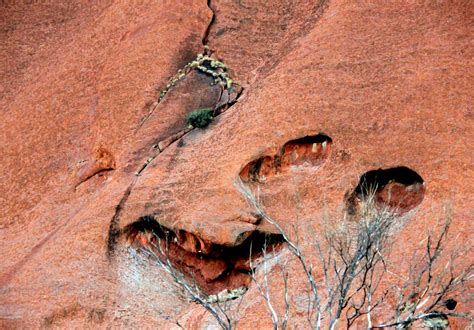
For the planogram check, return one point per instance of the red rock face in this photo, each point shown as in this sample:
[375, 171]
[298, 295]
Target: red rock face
[89, 145]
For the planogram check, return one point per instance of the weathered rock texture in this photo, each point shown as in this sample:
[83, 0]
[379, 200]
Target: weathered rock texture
[387, 84]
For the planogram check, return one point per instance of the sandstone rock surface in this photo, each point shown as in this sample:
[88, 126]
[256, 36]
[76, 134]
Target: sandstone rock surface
[388, 84]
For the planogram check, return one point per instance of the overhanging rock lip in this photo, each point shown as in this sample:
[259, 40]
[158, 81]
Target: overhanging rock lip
[226, 233]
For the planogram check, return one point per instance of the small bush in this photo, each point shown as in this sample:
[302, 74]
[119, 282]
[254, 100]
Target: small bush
[199, 118]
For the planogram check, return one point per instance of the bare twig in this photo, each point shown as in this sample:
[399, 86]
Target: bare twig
[353, 264]
[163, 260]
[294, 248]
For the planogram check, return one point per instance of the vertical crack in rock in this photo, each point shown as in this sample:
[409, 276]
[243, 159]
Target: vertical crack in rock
[200, 64]
[208, 29]
[114, 230]
[271, 40]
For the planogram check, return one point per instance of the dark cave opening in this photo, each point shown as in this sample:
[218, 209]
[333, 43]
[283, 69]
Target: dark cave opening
[378, 179]
[399, 187]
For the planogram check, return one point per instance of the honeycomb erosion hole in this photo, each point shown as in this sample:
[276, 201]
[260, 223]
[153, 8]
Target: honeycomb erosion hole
[213, 267]
[399, 188]
[307, 152]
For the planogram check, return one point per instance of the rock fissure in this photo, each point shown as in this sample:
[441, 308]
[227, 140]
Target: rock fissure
[205, 64]
[114, 230]
[212, 21]
[104, 161]
[96, 173]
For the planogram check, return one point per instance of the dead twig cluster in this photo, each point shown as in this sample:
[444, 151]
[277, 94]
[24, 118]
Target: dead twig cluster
[353, 258]
[158, 251]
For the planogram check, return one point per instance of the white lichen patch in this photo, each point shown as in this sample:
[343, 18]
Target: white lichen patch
[226, 295]
[205, 64]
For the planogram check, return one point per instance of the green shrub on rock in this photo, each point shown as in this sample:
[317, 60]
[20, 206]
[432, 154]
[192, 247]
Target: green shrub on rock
[199, 118]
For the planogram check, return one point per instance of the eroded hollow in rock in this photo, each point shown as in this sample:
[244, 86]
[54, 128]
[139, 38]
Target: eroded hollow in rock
[259, 170]
[399, 188]
[211, 266]
[308, 152]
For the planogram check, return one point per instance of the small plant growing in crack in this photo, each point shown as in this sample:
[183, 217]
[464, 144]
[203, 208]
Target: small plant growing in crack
[200, 118]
